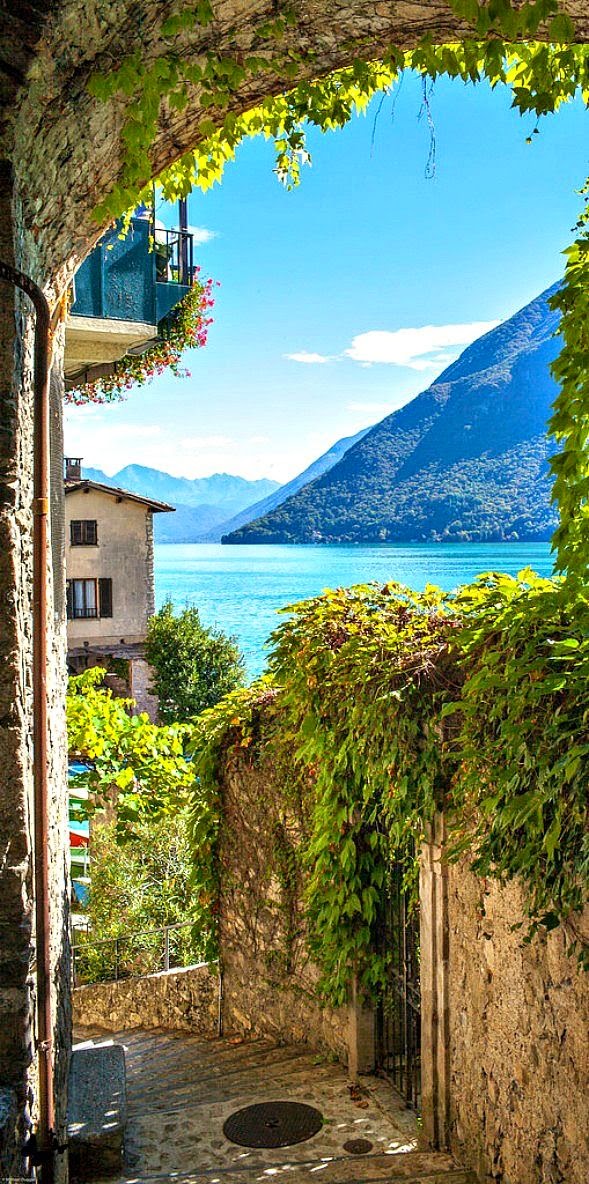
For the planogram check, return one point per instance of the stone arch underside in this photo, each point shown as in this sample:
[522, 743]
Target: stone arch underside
[65, 146]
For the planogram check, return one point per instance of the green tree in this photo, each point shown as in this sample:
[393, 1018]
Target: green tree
[193, 666]
[129, 759]
[140, 882]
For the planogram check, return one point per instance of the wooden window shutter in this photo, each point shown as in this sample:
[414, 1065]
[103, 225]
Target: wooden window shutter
[105, 597]
[69, 600]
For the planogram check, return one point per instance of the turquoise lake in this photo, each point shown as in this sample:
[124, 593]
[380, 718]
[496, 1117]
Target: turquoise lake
[240, 589]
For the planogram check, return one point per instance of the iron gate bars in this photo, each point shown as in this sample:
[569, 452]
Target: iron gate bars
[398, 1014]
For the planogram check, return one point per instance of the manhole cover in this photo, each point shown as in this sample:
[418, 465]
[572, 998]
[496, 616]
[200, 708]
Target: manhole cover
[273, 1124]
[358, 1146]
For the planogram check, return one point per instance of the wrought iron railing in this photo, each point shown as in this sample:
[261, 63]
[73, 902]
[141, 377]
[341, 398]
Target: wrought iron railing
[174, 256]
[134, 955]
[398, 1015]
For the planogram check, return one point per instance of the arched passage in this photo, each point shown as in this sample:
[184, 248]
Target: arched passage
[61, 155]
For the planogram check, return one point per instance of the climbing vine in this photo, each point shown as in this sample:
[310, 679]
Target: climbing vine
[391, 705]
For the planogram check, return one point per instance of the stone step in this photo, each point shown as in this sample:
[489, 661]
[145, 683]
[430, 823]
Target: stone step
[97, 1110]
[413, 1167]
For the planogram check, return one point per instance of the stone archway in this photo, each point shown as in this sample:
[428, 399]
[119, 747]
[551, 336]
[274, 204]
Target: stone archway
[61, 154]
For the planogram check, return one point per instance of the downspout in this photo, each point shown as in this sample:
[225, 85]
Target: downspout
[46, 1134]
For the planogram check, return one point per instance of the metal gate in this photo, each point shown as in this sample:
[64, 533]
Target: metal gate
[398, 1014]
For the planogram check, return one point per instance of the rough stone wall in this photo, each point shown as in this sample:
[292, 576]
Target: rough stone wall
[141, 677]
[186, 1000]
[17, 920]
[269, 980]
[518, 1042]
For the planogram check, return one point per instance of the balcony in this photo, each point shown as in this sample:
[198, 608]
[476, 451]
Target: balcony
[122, 292]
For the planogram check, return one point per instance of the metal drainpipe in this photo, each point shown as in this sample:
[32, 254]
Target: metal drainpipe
[46, 1135]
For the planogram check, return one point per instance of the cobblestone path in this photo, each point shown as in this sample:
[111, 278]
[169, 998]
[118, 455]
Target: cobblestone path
[180, 1091]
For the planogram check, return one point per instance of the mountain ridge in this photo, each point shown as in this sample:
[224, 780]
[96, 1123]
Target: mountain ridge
[265, 505]
[466, 460]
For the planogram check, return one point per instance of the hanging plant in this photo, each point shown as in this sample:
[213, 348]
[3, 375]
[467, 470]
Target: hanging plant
[185, 327]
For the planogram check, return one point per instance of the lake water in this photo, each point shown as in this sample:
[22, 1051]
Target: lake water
[240, 589]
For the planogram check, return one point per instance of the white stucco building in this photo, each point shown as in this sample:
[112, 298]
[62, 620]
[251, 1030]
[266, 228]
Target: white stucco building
[110, 576]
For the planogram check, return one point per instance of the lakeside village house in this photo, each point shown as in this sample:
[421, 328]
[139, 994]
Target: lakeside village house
[110, 593]
[110, 579]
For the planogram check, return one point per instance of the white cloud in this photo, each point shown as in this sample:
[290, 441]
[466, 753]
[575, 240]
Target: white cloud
[417, 349]
[309, 359]
[202, 235]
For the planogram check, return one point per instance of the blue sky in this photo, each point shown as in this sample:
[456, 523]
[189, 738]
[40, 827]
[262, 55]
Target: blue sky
[317, 284]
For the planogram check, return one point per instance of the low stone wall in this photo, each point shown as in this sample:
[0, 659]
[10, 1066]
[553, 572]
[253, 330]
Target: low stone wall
[518, 1019]
[186, 1000]
[269, 980]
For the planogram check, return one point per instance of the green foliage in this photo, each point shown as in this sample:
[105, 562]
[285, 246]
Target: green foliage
[388, 705]
[523, 741]
[230, 722]
[139, 883]
[570, 421]
[193, 666]
[130, 759]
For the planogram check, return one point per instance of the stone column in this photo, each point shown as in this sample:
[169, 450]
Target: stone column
[434, 939]
[17, 938]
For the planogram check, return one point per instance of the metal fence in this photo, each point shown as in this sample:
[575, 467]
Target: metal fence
[133, 955]
[398, 1015]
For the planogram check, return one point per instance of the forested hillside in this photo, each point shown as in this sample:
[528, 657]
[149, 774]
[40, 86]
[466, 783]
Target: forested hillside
[467, 460]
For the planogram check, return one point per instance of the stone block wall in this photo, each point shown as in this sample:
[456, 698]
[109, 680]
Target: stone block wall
[185, 1000]
[18, 994]
[519, 1042]
[269, 980]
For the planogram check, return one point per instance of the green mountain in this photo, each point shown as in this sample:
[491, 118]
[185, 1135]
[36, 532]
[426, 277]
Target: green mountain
[467, 460]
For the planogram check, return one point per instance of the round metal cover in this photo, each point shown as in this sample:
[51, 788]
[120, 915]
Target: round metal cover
[358, 1146]
[273, 1124]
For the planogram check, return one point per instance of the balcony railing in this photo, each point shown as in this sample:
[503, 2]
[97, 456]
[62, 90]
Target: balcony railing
[137, 278]
[174, 257]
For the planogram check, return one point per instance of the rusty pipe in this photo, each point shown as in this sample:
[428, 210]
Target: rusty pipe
[46, 1137]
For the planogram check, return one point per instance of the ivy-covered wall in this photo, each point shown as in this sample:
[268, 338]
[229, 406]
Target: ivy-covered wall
[269, 979]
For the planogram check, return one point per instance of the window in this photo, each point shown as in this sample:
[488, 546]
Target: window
[84, 532]
[81, 599]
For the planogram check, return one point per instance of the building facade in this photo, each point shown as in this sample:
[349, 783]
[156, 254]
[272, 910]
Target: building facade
[110, 578]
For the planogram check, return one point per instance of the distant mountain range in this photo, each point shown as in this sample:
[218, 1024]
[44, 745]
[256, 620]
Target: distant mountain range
[208, 507]
[201, 504]
[316, 469]
[467, 460]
